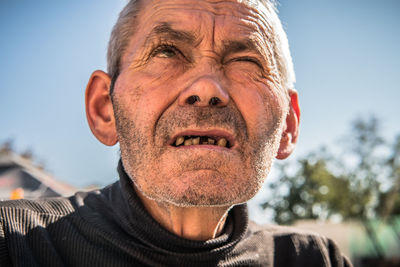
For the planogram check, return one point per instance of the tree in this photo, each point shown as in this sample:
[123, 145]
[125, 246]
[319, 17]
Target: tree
[389, 200]
[360, 182]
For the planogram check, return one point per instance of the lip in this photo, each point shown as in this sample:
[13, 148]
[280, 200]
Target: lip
[204, 147]
[212, 133]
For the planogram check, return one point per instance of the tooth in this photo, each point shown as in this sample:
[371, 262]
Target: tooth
[179, 140]
[196, 140]
[211, 141]
[222, 142]
[188, 142]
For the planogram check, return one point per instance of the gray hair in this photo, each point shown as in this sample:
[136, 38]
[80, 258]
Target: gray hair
[122, 32]
[126, 27]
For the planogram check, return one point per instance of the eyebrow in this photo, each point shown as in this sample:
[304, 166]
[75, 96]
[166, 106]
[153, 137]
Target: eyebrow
[234, 46]
[165, 31]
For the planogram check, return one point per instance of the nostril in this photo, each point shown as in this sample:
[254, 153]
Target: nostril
[214, 101]
[193, 99]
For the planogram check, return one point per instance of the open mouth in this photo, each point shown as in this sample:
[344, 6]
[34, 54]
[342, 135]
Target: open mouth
[201, 140]
[198, 140]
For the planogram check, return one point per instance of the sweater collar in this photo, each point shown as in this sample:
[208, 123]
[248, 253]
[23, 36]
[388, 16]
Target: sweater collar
[152, 234]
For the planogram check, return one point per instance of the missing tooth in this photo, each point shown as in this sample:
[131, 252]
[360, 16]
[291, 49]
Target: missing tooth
[201, 140]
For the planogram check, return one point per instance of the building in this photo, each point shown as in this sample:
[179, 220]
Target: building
[20, 177]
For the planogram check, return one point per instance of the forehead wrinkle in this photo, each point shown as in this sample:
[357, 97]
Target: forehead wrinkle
[251, 15]
[229, 8]
[246, 11]
[216, 7]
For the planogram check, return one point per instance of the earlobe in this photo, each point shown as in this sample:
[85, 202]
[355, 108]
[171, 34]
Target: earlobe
[291, 130]
[99, 109]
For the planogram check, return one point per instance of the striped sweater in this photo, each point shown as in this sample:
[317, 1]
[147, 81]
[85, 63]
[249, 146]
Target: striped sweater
[110, 227]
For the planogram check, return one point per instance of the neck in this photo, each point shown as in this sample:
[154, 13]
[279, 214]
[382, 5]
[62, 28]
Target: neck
[195, 223]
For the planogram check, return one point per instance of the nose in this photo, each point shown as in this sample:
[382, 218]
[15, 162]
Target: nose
[203, 92]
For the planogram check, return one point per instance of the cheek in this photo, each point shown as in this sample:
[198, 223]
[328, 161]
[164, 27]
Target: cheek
[256, 98]
[144, 96]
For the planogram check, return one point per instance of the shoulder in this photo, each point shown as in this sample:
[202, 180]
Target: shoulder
[296, 247]
[18, 218]
[290, 237]
[278, 231]
[53, 206]
[41, 211]
[50, 222]
[57, 206]
[48, 210]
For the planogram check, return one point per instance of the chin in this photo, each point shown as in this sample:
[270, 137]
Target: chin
[201, 188]
[199, 180]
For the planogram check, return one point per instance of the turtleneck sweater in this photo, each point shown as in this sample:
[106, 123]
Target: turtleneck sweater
[111, 227]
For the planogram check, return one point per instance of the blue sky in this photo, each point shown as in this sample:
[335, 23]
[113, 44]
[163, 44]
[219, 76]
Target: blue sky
[346, 55]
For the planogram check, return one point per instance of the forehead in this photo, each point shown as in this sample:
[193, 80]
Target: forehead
[202, 16]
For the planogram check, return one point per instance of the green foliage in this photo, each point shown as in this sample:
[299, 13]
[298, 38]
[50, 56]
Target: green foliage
[346, 185]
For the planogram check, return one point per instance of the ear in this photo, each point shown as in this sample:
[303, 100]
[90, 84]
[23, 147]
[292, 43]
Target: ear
[291, 130]
[99, 109]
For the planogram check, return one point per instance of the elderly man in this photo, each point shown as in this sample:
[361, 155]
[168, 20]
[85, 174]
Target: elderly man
[199, 95]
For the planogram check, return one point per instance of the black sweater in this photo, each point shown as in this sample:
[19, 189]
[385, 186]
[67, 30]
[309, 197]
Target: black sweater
[110, 227]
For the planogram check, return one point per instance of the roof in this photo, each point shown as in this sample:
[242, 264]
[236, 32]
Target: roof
[19, 172]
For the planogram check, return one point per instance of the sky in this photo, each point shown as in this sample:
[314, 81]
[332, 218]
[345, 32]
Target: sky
[346, 56]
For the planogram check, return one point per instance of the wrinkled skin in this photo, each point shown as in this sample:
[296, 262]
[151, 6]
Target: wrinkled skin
[210, 49]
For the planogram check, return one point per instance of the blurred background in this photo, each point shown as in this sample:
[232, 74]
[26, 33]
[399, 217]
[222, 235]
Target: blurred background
[344, 177]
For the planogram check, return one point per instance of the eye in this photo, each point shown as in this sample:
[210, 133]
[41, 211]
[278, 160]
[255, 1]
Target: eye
[248, 59]
[165, 51]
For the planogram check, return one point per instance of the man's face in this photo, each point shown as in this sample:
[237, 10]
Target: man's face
[183, 54]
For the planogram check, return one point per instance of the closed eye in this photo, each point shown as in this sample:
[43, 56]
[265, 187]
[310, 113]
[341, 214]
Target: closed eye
[248, 59]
